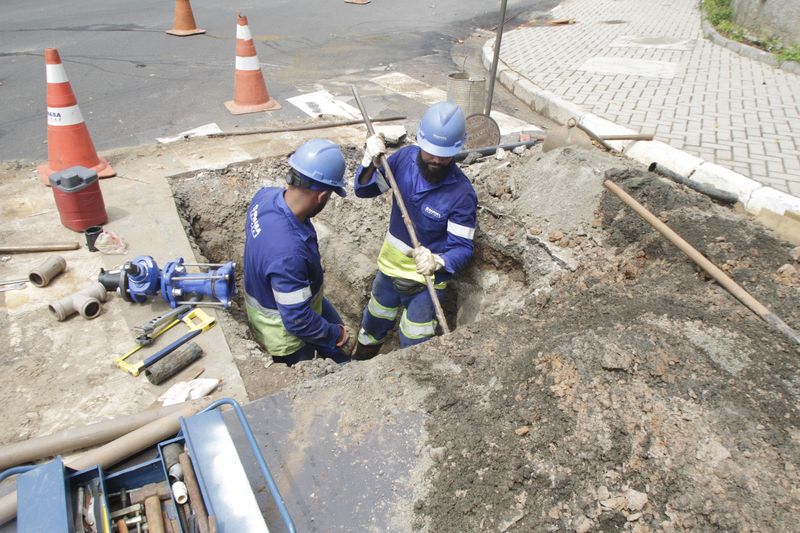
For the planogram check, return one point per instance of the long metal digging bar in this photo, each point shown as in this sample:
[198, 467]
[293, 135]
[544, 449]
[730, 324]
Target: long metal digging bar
[437, 306]
[734, 288]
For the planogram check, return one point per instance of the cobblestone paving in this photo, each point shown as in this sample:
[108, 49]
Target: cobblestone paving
[695, 95]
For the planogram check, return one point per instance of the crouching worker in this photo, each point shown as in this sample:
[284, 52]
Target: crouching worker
[283, 274]
[442, 206]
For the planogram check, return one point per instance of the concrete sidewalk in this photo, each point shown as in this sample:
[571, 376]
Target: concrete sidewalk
[645, 64]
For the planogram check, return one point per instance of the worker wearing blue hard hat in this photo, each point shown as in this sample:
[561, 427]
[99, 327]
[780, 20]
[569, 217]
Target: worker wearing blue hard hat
[442, 206]
[283, 276]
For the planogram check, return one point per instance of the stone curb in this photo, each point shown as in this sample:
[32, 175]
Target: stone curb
[748, 51]
[751, 194]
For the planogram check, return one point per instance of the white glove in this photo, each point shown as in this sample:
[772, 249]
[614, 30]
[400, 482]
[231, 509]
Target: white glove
[427, 261]
[376, 147]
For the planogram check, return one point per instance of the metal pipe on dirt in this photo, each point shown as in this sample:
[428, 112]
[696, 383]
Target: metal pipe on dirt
[32, 248]
[719, 276]
[497, 40]
[304, 127]
[488, 150]
[573, 123]
[437, 306]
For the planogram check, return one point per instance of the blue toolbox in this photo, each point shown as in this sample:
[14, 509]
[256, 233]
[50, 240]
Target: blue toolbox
[196, 483]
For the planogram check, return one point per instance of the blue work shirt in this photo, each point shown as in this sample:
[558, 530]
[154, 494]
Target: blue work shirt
[444, 216]
[283, 267]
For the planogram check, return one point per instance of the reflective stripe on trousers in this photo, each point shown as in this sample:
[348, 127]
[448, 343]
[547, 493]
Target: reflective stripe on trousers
[417, 323]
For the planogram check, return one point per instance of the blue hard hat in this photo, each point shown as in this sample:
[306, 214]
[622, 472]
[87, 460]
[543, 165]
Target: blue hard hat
[442, 131]
[321, 161]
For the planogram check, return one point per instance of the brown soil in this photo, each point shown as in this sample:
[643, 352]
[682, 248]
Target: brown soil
[596, 379]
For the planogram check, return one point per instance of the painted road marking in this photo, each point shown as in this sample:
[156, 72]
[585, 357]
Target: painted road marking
[323, 103]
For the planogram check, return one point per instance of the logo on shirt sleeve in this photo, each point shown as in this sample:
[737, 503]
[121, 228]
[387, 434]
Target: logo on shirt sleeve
[255, 227]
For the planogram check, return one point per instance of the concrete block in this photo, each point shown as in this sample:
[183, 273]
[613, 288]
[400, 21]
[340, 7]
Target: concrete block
[726, 180]
[677, 161]
[773, 200]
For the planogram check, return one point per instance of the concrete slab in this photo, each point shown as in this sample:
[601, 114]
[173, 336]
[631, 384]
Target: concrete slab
[61, 374]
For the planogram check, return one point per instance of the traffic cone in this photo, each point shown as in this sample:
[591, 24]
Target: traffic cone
[184, 24]
[250, 93]
[68, 141]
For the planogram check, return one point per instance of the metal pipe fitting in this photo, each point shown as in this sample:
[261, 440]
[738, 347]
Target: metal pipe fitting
[44, 273]
[87, 302]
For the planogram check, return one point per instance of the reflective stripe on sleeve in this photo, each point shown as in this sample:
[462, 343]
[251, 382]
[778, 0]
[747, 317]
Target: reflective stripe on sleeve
[247, 63]
[460, 231]
[292, 298]
[64, 116]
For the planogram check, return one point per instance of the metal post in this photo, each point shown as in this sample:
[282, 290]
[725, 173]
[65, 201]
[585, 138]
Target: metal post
[497, 41]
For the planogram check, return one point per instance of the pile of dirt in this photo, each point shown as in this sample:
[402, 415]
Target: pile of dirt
[596, 378]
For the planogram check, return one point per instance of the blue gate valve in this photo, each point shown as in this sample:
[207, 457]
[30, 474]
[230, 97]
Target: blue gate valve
[143, 279]
[179, 287]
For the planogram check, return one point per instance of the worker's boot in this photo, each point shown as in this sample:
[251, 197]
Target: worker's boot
[366, 351]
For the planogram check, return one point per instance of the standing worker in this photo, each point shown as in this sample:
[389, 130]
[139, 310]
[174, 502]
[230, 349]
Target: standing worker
[442, 206]
[283, 274]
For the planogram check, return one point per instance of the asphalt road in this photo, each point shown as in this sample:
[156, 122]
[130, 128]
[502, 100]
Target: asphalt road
[135, 83]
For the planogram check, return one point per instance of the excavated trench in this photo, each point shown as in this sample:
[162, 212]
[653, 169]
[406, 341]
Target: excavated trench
[596, 379]
[500, 279]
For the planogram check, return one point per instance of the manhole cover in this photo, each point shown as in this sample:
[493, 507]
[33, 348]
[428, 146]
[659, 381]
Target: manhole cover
[482, 131]
[614, 22]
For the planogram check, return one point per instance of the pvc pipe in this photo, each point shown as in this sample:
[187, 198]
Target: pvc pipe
[44, 273]
[81, 437]
[179, 492]
[115, 451]
[87, 302]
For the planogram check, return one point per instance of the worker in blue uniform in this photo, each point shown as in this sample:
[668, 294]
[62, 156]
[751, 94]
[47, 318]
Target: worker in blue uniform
[442, 206]
[283, 283]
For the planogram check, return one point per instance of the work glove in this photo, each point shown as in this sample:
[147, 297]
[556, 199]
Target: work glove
[375, 147]
[427, 261]
[346, 342]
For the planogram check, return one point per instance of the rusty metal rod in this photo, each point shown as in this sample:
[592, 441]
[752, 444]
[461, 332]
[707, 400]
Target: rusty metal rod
[304, 127]
[32, 248]
[719, 276]
[437, 306]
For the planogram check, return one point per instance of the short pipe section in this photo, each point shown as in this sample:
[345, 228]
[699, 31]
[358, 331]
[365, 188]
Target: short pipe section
[43, 274]
[87, 302]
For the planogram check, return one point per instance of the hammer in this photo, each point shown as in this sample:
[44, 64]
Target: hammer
[152, 495]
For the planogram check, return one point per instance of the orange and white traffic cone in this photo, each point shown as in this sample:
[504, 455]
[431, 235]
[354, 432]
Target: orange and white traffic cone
[184, 24]
[250, 93]
[68, 141]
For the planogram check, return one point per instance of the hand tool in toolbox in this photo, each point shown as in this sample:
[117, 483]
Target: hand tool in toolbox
[197, 320]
